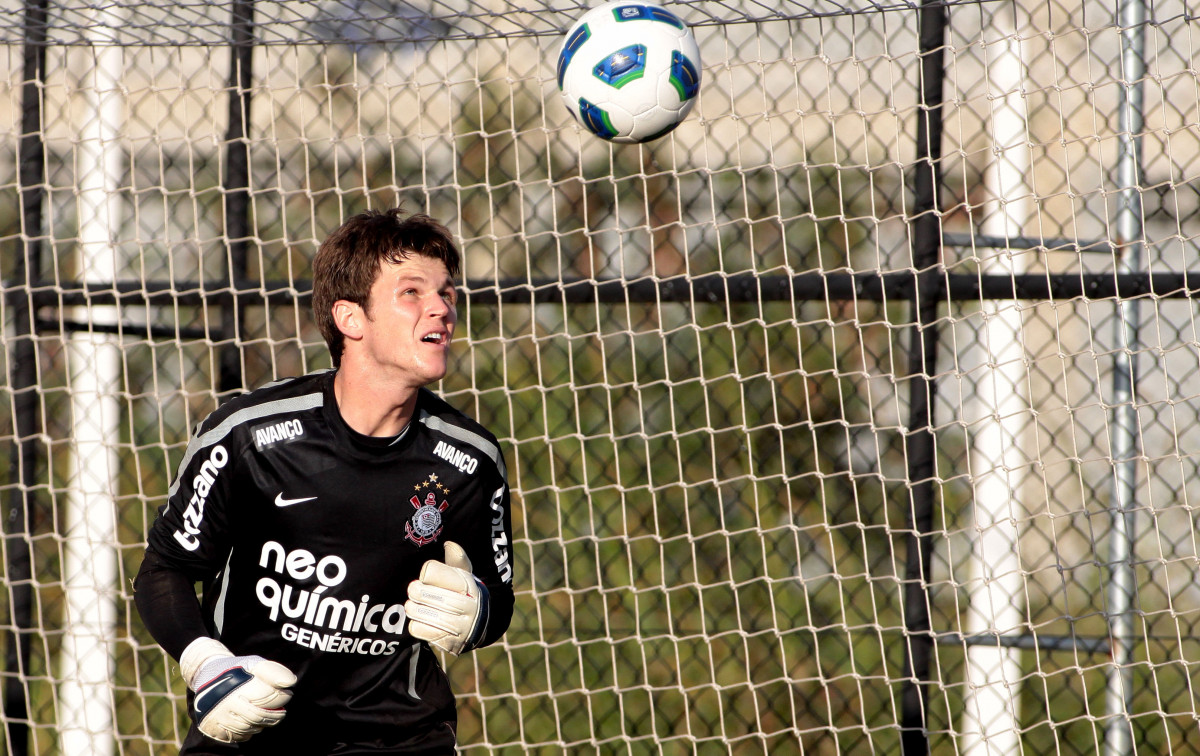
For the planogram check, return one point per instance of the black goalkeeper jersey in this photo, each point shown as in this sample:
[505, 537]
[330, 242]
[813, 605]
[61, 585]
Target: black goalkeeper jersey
[306, 534]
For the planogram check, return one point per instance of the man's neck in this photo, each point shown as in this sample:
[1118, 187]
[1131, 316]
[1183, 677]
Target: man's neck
[370, 408]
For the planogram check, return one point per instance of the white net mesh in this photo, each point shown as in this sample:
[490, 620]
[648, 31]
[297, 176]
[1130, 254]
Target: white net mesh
[711, 460]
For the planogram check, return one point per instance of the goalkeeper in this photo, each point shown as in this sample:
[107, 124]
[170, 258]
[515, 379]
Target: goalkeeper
[343, 525]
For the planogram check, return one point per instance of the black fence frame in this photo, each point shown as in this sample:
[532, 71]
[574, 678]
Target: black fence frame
[925, 288]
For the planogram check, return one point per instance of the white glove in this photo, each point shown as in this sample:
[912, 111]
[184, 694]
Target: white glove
[236, 696]
[448, 605]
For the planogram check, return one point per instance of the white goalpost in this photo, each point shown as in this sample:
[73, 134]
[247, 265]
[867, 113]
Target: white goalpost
[998, 425]
[93, 366]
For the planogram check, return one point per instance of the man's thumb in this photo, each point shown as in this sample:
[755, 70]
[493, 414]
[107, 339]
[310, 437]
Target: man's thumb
[456, 557]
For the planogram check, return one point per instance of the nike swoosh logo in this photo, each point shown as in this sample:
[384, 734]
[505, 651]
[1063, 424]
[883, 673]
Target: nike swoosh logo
[282, 502]
[219, 687]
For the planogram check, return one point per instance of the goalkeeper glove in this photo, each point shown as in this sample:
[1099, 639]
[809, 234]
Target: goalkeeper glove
[448, 605]
[236, 696]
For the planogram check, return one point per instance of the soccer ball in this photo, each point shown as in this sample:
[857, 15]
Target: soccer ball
[629, 71]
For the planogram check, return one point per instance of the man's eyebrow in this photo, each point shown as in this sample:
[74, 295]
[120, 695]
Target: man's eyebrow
[446, 283]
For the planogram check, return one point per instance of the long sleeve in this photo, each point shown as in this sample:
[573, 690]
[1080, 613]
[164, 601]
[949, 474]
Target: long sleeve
[498, 573]
[166, 600]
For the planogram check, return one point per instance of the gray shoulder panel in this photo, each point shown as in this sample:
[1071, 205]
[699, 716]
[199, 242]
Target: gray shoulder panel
[490, 450]
[244, 415]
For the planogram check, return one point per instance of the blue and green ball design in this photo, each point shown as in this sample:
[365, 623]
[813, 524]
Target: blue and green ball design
[621, 67]
[629, 71]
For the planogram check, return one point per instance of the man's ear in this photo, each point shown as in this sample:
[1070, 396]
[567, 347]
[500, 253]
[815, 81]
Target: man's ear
[349, 317]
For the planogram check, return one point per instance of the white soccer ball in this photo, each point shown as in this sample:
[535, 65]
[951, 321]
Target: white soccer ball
[629, 71]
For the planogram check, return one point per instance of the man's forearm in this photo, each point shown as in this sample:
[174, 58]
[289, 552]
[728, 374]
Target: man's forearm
[166, 601]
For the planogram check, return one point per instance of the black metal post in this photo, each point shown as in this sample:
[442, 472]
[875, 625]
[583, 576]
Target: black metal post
[870, 286]
[919, 441]
[237, 192]
[22, 359]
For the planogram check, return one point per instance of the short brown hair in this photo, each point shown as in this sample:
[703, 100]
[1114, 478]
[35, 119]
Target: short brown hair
[350, 259]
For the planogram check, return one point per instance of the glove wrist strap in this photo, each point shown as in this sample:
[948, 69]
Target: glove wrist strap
[481, 624]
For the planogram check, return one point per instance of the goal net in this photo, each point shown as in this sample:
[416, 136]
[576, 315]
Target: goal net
[859, 414]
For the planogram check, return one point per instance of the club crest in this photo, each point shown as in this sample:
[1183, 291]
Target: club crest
[426, 523]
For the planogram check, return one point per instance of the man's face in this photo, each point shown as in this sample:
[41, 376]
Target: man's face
[410, 320]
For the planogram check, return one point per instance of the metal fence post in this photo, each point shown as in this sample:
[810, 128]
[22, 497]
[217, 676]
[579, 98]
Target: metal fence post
[920, 445]
[1124, 440]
